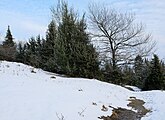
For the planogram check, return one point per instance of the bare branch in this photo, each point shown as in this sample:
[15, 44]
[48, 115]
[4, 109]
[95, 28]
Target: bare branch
[60, 118]
[119, 37]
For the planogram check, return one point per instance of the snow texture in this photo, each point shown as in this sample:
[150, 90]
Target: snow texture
[27, 93]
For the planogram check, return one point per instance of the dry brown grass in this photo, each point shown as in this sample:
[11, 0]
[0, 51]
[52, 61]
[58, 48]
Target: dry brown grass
[125, 114]
[137, 104]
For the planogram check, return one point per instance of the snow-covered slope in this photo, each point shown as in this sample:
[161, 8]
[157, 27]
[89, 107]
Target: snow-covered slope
[40, 95]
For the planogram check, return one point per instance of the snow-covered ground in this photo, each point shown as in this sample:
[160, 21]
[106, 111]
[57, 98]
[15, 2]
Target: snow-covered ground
[27, 95]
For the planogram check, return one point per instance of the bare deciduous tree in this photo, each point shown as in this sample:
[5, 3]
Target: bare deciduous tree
[120, 38]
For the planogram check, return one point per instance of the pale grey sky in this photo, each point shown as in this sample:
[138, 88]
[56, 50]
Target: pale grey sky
[30, 17]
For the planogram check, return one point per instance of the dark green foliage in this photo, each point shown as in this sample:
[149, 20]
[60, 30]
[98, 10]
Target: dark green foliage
[8, 39]
[66, 41]
[155, 78]
[66, 49]
[20, 55]
[31, 52]
[139, 71]
[75, 55]
[8, 48]
[39, 52]
[48, 48]
[117, 77]
[112, 75]
[128, 76]
[163, 70]
[145, 74]
[107, 71]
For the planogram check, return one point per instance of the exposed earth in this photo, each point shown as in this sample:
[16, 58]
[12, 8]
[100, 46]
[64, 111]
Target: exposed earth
[124, 114]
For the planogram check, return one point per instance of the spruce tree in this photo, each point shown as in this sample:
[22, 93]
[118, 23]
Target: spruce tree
[75, 55]
[38, 53]
[48, 55]
[163, 69]
[66, 49]
[138, 69]
[31, 49]
[51, 36]
[8, 39]
[128, 76]
[20, 54]
[155, 78]
[107, 72]
[8, 48]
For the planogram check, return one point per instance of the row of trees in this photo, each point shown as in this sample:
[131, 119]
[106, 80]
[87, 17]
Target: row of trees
[143, 73]
[68, 49]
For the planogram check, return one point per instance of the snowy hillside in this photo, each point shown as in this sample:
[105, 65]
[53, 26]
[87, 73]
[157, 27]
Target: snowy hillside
[27, 93]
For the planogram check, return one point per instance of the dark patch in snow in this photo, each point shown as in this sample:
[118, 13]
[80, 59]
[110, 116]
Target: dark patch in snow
[125, 114]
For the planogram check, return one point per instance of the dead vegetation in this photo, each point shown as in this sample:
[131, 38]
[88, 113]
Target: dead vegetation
[125, 114]
[105, 109]
[121, 114]
[137, 104]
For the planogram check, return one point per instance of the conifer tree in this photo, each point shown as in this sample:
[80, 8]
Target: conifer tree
[8, 48]
[107, 71]
[155, 78]
[51, 36]
[38, 49]
[66, 49]
[8, 39]
[31, 52]
[20, 54]
[138, 69]
[75, 55]
[128, 75]
[48, 55]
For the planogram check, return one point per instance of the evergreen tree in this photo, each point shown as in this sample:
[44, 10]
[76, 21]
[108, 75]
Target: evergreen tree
[8, 48]
[51, 36]
[20, 54]
[111, 75]
[31, 52]
[66, 49]
[155, 78]
[163, 70]
[75, 55]
[48, 55]
[38, 51]
[146, 72]
[138, 69]
[8, 39]
[128, 77]
[107, 71]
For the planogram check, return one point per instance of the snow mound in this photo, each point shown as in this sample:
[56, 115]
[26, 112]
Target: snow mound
[28, 93]
[133, 88]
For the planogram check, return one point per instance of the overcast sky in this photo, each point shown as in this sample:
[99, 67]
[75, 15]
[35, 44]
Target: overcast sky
[30, 17]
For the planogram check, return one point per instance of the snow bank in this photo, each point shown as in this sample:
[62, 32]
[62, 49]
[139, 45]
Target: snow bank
[39, 95]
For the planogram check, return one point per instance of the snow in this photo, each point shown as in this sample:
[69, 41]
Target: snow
[134, 88]
[25, 95]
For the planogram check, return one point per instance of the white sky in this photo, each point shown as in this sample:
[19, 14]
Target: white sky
[30, 17]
